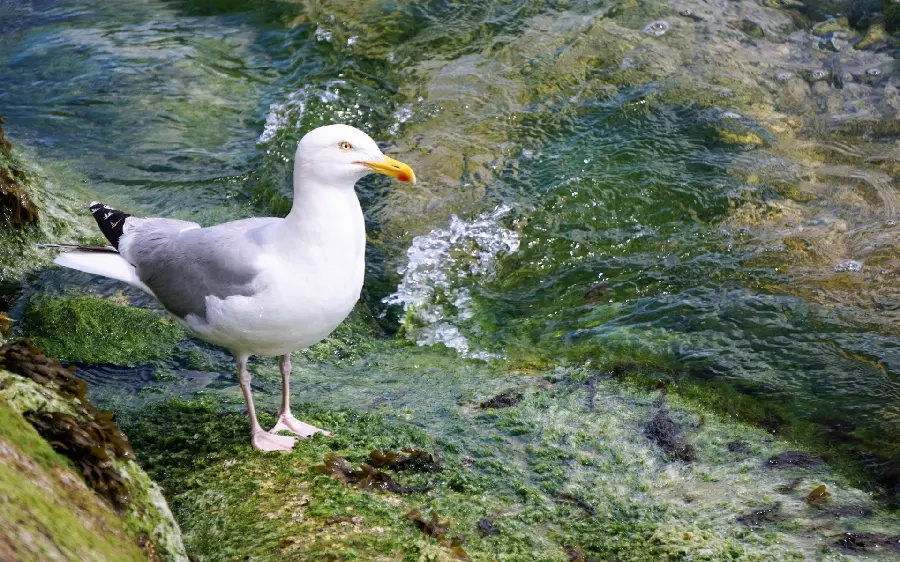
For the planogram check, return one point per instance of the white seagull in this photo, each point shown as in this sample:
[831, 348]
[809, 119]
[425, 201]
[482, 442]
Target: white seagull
[259, 286]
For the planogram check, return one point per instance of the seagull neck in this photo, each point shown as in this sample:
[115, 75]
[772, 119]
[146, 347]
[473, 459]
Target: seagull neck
[321, 210]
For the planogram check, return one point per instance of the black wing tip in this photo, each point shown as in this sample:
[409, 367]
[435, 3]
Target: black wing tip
[110, 221]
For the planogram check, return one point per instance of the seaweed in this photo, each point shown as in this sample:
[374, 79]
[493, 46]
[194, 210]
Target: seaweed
[792, 459]
[505, 399]
[85, 443]
[25, 358]
[414, 460]
[434, 527]
[667, 434]
[579, 501]
[365, 477]
[16, 207]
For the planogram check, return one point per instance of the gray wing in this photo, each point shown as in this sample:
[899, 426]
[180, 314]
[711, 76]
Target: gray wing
[183, 264]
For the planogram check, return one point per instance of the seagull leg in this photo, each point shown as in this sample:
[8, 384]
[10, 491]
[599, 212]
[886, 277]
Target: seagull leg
[261, 440]
[286, 421]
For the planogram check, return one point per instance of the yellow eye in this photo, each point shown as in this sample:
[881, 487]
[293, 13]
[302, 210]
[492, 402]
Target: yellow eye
[345, 146]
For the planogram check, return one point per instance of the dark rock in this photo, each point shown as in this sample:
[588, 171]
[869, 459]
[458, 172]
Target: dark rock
[868, 542]
[757, 519]
[487, 528]
[505, 399]
[412, 460]
[793, 459]
[737, 447]
[667, 434]
[577, 554]
[596, 292]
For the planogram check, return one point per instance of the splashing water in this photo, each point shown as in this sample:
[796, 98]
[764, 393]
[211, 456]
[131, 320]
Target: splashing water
[429, 291]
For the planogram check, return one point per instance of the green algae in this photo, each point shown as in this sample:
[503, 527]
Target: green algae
[96, 330]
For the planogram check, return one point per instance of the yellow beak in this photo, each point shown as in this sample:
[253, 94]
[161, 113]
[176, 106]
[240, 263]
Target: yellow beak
[393, 168]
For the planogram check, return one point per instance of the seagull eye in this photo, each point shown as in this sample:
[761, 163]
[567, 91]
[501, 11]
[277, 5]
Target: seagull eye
[345, 146]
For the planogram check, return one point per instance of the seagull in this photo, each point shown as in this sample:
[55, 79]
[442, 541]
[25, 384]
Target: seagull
[259, 286]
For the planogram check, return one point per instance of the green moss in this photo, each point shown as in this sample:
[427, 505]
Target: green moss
[95, 330]
[874, 35]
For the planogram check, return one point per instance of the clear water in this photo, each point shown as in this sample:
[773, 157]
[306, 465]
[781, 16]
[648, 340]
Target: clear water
[688, 194]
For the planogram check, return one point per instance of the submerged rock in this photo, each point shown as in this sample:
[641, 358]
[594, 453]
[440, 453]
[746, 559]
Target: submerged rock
[505, 399]
[792, 459]
[868, 542]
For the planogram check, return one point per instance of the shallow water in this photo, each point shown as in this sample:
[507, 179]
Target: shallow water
[686, 191]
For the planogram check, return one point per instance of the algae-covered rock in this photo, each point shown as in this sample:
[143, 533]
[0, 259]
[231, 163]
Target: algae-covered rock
[72, 488]
[16, 207]
[33, 209]
[97, 330]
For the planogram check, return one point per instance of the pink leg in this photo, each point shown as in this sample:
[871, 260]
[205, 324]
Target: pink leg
[261, 440]
[286, 421]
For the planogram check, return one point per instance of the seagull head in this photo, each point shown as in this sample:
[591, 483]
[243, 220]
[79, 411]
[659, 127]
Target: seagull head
[339, 155]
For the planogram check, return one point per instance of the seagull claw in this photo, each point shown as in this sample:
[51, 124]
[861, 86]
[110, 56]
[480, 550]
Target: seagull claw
[263, 441]
[287, 422]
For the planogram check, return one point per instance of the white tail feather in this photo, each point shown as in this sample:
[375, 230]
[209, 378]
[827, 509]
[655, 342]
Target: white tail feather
[107, 264]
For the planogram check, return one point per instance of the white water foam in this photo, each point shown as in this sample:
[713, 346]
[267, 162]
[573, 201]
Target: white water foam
[430, 289]
[281, 114]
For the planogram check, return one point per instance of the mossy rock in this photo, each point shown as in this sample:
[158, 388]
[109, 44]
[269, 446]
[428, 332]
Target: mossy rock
[72, 490]
[96, 330]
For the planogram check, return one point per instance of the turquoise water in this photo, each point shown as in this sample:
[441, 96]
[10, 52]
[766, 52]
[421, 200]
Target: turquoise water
[677, 197]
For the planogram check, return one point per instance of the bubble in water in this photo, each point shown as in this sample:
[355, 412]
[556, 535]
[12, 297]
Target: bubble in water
[890, 223]
[873, 72]
[657, 28]
[783, 76]
[352, 40]
[686, 12]
[848, 265]
[323, 35]
[818, 74]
